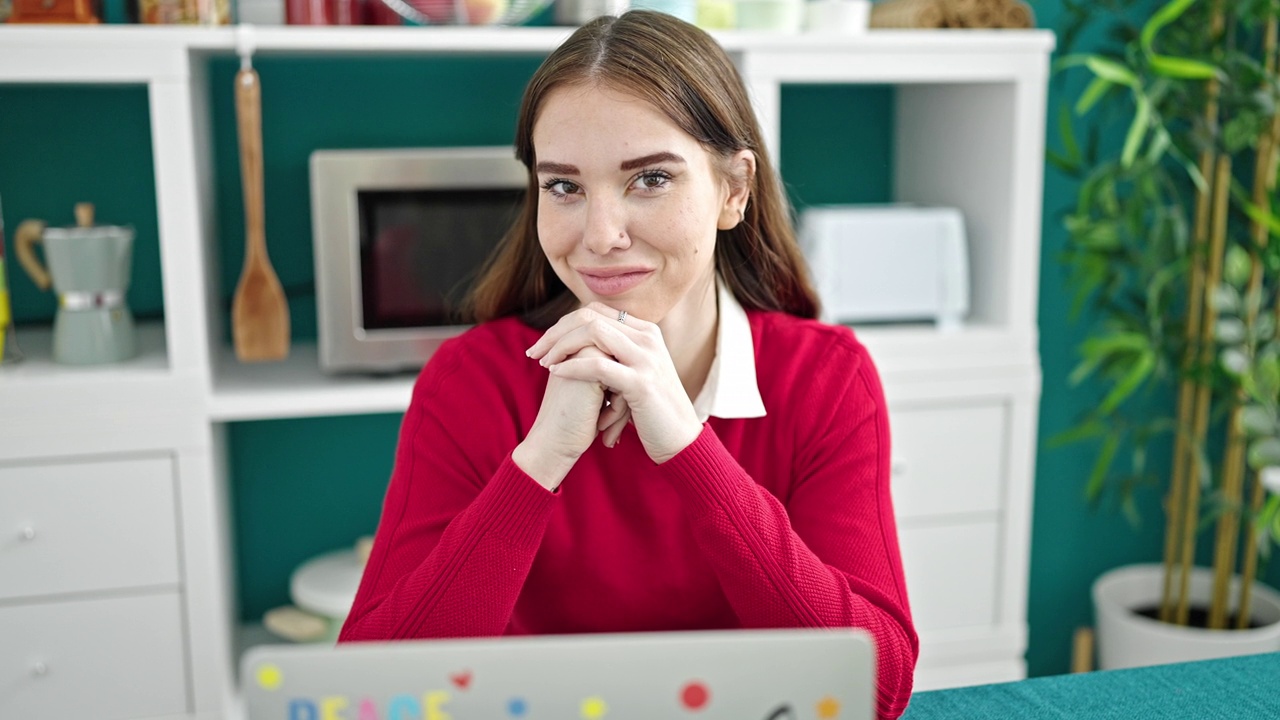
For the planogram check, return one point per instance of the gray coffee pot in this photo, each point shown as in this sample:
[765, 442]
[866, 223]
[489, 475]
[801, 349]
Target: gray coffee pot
[89, 268]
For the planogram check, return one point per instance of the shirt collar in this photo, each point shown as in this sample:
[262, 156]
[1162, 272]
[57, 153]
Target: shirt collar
[731, 390]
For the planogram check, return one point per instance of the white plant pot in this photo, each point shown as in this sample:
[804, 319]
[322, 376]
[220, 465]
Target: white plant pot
[1126, 639]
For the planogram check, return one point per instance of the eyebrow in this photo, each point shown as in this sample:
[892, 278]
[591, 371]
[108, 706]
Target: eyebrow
[658, 157]
[556, 168]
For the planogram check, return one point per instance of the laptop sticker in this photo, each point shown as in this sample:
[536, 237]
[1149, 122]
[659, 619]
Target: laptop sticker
[782, 712]
[594, 708]
[828, 708]
[269, 677]
[517, 707]
[694, 695]
[435, 702]
[461, 679]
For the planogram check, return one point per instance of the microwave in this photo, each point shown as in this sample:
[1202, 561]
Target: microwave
[399, 236]
[888, 264]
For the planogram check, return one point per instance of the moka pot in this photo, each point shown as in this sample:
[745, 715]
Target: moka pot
[89, 269]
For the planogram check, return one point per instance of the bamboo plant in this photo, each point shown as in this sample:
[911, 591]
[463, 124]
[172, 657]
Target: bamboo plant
[1169, 250]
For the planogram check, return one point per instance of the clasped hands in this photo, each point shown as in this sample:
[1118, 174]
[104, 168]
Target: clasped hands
[592, 357]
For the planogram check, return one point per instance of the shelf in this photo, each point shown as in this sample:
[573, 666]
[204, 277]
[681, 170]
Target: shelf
[901, 351]
[296, 387]
[38, 368]
[137, 54]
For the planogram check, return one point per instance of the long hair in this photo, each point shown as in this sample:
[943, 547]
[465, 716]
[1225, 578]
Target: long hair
[686, 75]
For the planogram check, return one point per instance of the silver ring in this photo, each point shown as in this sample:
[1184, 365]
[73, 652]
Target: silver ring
[622, 316]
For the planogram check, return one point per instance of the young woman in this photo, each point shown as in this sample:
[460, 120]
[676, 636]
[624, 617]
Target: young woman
[647, 430]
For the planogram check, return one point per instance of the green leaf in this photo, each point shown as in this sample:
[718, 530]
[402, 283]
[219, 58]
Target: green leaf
[1107, 344]
[1093, 488]
[1275, 525]
[1262, 217]
[1069, 144]
[1065, 166]
[1265, 327]
[1138, 373]
[1225, 299]
[1264, 452]
[1099, 237]
[1083, 431]
[1182, 68]
[1234, 361]
[1111, 70]
[1192, 168]
[1229, 330]
[1160, 142]
[1155, 288]
[1162, 17]
[1097, 88]
[1137, 130]
[1256, 420]
[1237, 267]
[1268, 376]
[1240, 132]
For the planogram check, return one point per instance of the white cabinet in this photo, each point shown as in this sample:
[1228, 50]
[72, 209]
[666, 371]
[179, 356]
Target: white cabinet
[116, 476]
[88, 526]
[107, 658]
[948, 459]
[91, 608]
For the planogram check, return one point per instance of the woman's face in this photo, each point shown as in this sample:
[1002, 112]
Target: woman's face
[629, 203]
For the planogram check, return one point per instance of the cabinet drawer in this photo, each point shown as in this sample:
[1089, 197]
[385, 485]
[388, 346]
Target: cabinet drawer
[102, 659]
[72, 527]
[952, 574]
[948, 459]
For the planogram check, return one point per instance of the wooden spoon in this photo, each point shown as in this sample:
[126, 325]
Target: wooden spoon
[259, 313]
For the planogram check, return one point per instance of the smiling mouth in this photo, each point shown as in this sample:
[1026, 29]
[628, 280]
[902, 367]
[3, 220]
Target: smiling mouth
[613, 283]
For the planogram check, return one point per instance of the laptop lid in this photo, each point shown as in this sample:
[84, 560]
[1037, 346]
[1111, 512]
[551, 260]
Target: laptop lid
[736, 674]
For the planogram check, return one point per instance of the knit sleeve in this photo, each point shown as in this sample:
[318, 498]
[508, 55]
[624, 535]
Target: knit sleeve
[829, 556]
[461, 523]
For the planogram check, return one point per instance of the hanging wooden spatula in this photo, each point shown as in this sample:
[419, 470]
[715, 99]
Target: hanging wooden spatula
[259, 313]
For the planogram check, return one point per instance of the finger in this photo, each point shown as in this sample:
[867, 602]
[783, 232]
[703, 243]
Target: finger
[631, 322]
[609, 336]
[606, 371]
[614, 432]
[617, 409]
[564, 325]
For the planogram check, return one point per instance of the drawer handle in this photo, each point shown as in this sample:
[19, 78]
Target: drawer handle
[39, 669]
[27, 534]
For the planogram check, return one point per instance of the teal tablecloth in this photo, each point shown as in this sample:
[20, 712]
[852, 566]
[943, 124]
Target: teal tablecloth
[1245, 688]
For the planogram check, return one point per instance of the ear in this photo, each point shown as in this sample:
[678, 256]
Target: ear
[741, 178]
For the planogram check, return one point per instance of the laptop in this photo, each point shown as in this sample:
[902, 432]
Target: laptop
[728, 674]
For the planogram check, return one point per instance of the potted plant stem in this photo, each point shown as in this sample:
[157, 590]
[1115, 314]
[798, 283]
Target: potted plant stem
[1170, 248]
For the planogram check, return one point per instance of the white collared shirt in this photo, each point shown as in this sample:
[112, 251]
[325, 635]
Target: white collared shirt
[731, 390]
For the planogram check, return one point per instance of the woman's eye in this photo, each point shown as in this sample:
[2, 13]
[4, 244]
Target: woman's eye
[653, 180]
[560, 188]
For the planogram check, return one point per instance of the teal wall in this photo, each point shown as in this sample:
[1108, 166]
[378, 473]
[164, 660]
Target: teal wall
[301, 487]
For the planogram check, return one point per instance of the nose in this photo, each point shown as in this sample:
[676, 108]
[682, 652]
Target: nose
[606, 226]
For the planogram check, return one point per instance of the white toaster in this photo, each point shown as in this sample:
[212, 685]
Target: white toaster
[888, 263]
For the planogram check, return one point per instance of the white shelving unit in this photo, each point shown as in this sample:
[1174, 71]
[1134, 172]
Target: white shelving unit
[970, 127]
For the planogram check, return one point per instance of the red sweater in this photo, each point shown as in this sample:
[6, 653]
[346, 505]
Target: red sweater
[783, 521]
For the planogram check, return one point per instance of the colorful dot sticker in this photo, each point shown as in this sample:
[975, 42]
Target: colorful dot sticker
[269, 677]
[694, 695]
[593, 708]
[828, 708]
[461, 679]
[517, 707]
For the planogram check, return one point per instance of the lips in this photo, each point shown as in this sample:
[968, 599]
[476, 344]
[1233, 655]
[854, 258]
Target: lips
[613, 281]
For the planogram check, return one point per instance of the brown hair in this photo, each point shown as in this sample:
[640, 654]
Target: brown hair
[681, 71]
